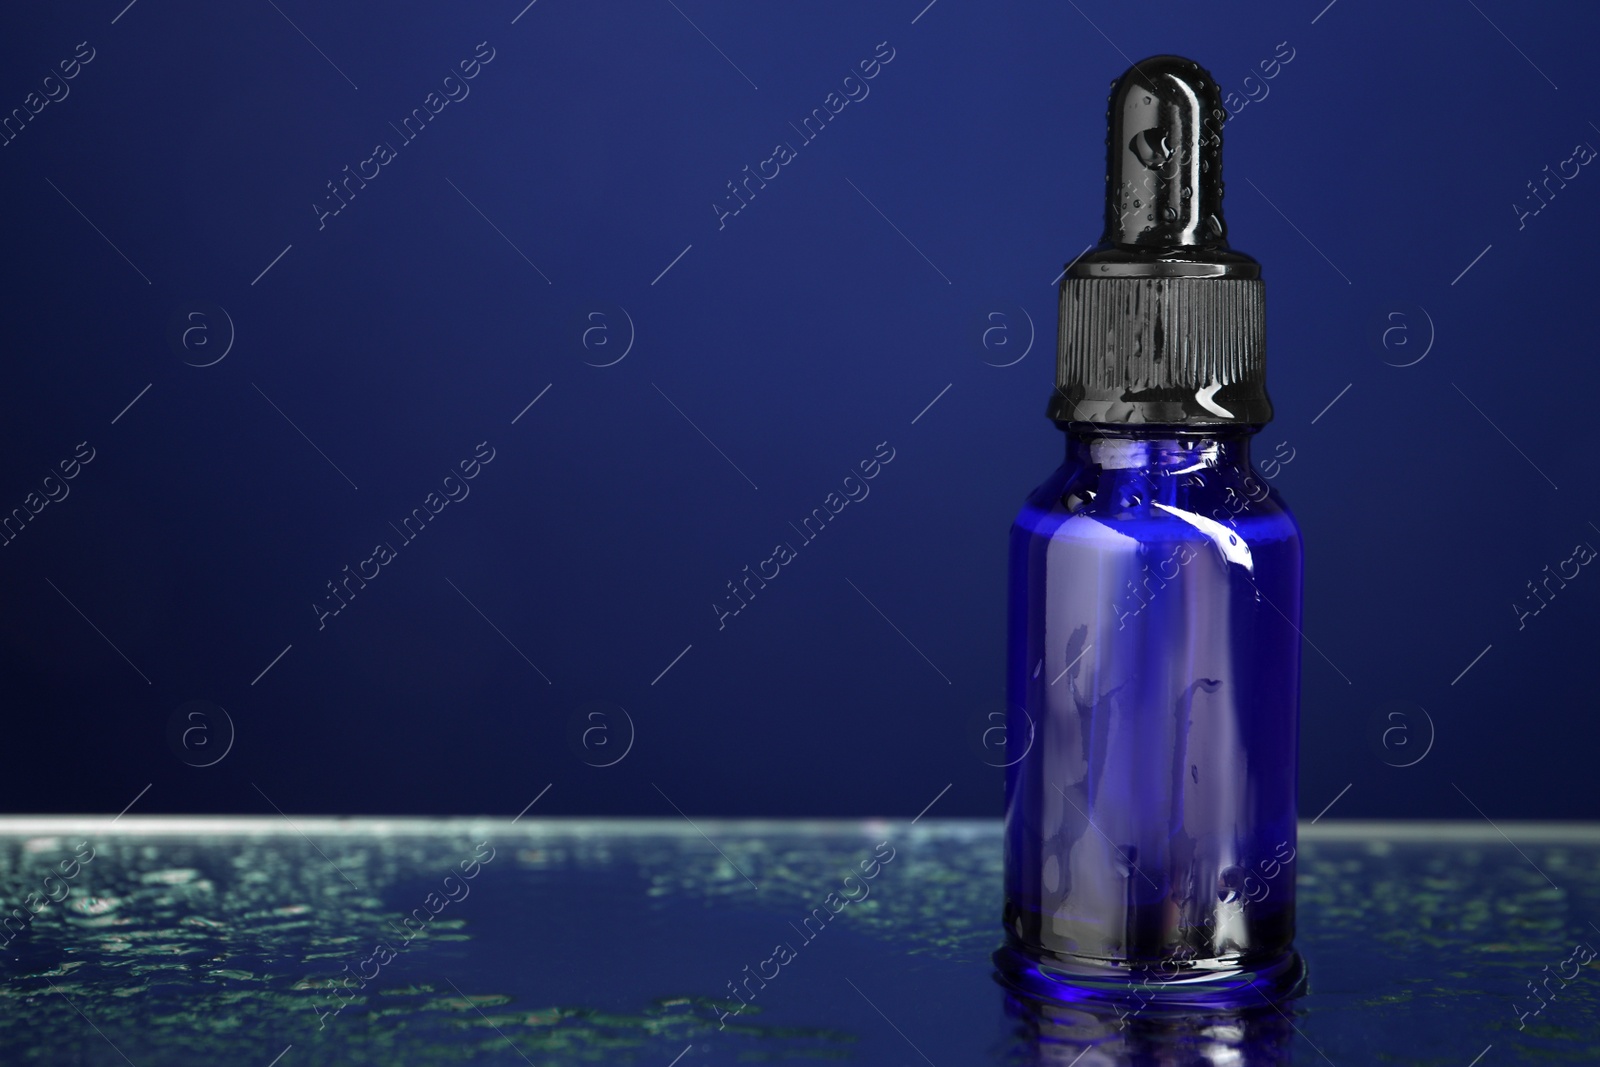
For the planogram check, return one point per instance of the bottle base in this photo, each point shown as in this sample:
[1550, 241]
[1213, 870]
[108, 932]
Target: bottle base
[1177, 986]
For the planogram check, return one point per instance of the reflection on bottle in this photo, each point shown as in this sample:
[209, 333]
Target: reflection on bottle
[1051, 1033]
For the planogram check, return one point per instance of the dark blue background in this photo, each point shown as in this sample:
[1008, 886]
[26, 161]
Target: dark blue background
[796, 338]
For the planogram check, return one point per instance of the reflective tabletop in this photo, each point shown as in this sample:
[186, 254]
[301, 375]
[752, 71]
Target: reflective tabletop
[550, 942]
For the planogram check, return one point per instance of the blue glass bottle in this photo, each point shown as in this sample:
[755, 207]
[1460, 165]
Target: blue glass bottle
[1154, 645]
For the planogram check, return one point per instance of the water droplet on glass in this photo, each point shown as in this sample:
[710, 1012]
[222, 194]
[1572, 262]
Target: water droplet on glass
[92, 905]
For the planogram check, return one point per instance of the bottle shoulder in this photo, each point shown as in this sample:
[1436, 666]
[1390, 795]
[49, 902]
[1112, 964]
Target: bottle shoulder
[1084, 502]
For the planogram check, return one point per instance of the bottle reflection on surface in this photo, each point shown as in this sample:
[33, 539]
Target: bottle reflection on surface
[1050, 1033]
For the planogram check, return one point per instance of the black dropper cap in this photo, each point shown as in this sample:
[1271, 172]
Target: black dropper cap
[1163, 324]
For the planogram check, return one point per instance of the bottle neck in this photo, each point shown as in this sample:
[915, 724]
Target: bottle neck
[1161, 449]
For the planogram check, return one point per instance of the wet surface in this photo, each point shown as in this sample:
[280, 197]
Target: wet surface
[579, 942]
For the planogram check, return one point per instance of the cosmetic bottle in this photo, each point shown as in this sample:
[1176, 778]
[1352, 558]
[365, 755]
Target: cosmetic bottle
[1155, 578]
